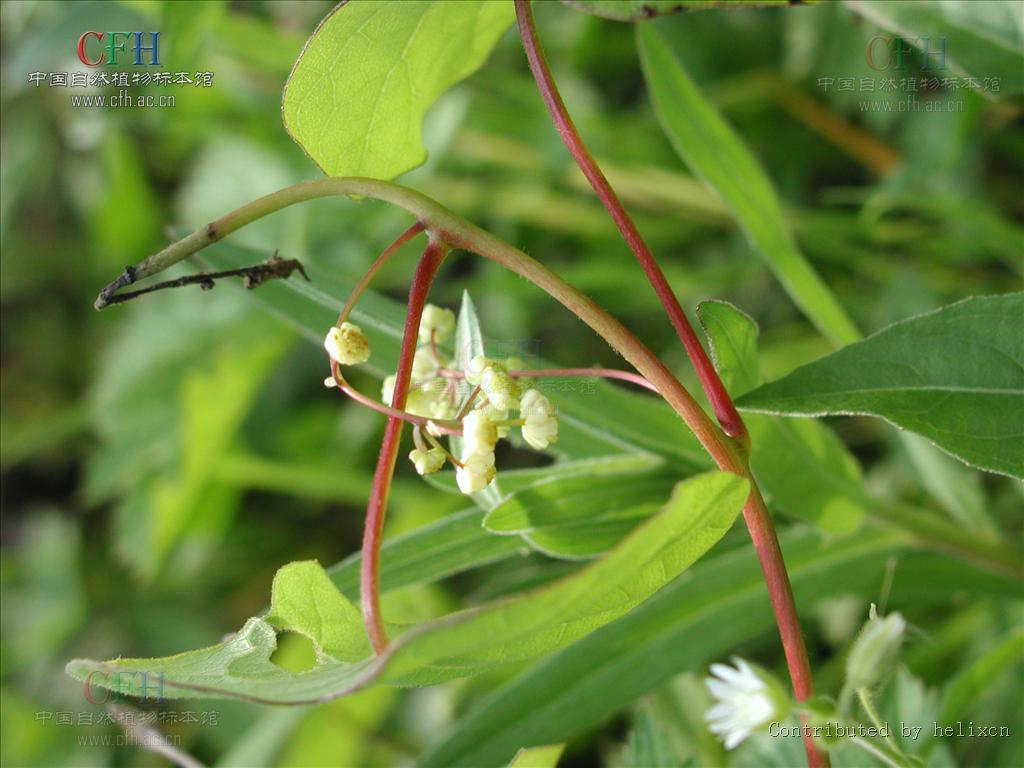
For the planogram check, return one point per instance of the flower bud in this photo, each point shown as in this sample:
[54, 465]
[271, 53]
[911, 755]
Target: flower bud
[427, 462]
[875, 652]
[500, 388]
[347, 345]
[437, 321]
[541, 426]
[387, 389]
[479, 433]
[476, 472]
[424, 366]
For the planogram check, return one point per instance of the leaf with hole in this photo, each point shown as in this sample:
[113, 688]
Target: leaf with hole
[518, 629]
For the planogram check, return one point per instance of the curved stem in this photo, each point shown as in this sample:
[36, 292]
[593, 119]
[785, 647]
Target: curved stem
[444, 426]
[379, 262]
[564, 373]
[369, 568]
[720, 401]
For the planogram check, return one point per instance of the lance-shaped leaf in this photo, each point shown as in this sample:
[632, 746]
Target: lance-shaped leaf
[714, 152]
[983, 39]
[518, 629]
[581, 516]
[357, 94]
[955, 376]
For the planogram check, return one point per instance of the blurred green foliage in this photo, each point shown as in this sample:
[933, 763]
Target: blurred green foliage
[186, 440]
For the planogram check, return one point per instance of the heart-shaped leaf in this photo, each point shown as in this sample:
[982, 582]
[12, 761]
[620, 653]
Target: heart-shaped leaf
[356, 97]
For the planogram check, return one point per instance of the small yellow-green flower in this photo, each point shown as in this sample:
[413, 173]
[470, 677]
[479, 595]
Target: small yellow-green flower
[347, 345]
[476, 472]
[540, 427]
[427, 462]
[437, 321]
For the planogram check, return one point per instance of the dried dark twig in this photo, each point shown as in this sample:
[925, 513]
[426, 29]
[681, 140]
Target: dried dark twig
[272, 268]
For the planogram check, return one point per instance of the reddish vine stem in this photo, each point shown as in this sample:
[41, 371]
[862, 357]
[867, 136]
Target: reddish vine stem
[376, 507]
[755, 513]
[442, 426]
[379, 262]
[721, 403]
[565, 373]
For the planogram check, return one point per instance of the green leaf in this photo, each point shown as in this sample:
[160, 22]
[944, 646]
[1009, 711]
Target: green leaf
[304, 600]
[574, 499]
[579, 516]
[961, 694]
[982, 39]
[955, 376]
[732, 335]
[537, 757]
[649, 746]
[634, 10]
[955, 486]
[450, 545]
[514, 480]
[720, 605]
[699, 513]
[801, 466]
[356, 97]
[714, 151]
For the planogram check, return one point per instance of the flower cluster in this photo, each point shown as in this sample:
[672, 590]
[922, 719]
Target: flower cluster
[489, 420]
[477, 402]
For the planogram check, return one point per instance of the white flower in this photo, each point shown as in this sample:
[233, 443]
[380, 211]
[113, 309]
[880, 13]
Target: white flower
[440, 322]
[427, 462]
[476, 472]
[347, 345]
[500, 388]
[746, 700]
[541, 426]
